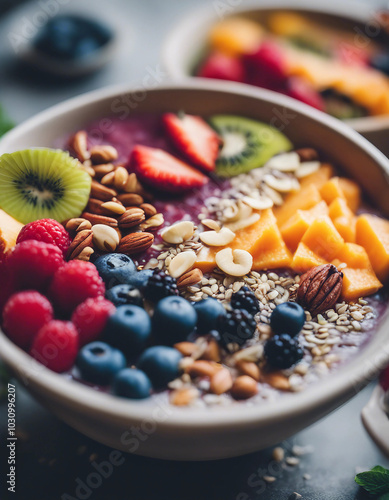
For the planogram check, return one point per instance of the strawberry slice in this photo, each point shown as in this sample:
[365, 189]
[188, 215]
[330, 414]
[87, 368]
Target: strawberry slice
[194, 138]
[222, 67]
[163, 171]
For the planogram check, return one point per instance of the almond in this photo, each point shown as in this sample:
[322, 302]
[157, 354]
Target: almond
[100, 219]
[130, 199]
[135, 243]
[276, 380]
[103, 154]
[190, 278]
[108, 179]
[221, 381]
[249, 368]
[202, 368]
[244, 387]
[104, 169]
[79, 145]
[101, 192]
[148, 209]
[131, 218]
[82, 240]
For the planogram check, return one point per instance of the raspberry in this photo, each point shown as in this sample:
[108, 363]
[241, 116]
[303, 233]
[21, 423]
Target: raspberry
[7, 287]
[48, 231]
[56, 345]
[75, 282]
[24, 315]
[160, 285]
[32, 264]
[90, 318]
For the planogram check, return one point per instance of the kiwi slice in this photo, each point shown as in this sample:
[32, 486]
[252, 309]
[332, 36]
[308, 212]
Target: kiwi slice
[247, 144]
[42, 183]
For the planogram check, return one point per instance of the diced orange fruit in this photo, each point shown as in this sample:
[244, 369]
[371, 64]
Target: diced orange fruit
[307, 197]
[318, 178]
[354, 256]
[287, 23]
[339, 187]
[272, 259]
[323, 238]
[343, 218]
[293, 230]
[9, 231]
[359, 283]
[304, 259]
[236, 36]
[351, 191]
[373, 235]
[206, 260]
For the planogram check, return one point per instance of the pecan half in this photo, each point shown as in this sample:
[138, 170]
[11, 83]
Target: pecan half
[135, 243]
[82, 240]
[131, 217]
[190, 278]
[320, 288]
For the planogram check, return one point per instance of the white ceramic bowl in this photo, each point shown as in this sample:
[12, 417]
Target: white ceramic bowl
[203, 433]
[186, 42]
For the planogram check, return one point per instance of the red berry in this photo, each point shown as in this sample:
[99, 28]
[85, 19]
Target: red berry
[302, 91]
[90, 318]
[266, 67]
[222, 67]
[48, 231]
[384, 379]
[32, 264]
[164, 171]
[75, 282]
[56, 345]
[24, 315]
[7, 286]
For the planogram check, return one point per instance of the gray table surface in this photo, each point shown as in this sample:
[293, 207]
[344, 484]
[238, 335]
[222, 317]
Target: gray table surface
[51, 456]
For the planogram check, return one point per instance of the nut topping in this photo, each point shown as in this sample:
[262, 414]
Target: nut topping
[234, 263]
[100, 219]
[103, 154]
[190, 278]
[131, 218]
[148, 209]
[105, 237]
[244, 387]
[101, 192]
[178, 233]
[129, 199]
[155, 221]
[78, 224]
[217, 238]
[181, 263]
[82, 240]
[79, 145]
[320, 288]
[135, 243]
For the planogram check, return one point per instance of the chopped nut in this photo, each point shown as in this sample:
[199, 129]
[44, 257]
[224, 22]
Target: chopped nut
[101, 192]
[108, 179]
[85, 254]
[277, 380]
[79, 145]
[120, 178]
[94, 206]
[221, 381]
[234, 262]
[131, 218]
[111, 207]
[82, 240]
[249, 368]
[211, 224]
[181, 263]
[217, 238]
[78, 224]
[105, 237]
[154, 221]
[244, 387]
[148, 209]
[103, 154]
[201, 368]
[284, 185]
[260, 203]
[100, 219]
[285, 162]
[190, 278]
[104, 169]
[130, 199]
[178, 233]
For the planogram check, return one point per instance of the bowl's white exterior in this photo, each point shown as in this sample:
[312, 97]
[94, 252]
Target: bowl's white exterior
[202, 433]
[187, 40]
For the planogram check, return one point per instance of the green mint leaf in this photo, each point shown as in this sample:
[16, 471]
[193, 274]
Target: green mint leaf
[5, 122]
[375, 481]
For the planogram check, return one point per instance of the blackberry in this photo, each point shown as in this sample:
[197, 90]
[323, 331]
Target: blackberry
[282, 351]
[236, 326]
[160, 285]
[245, 299]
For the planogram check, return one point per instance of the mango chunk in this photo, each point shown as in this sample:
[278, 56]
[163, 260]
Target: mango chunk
[293, 230]
[343, 218]
[372, 233]
[352, 193]
[323, 238]
[272, 259]
[318, 178]
[307, 197]
[304, 259]
[354, 256]
[236, 36]
[9, 231]
[359, 283]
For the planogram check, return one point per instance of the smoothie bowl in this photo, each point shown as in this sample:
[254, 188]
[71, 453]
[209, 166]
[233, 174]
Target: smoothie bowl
[333, 57]
[208, 267]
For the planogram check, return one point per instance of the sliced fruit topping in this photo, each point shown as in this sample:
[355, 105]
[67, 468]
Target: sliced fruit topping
[194, 138]
[42, 183]
[302, 91]
[247, 144]
[222, 67]
[236, 35]
[9, 230]
[266, 67]
[163, 171]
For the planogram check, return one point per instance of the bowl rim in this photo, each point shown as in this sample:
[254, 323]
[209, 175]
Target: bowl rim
[350, 10]
[346, 379]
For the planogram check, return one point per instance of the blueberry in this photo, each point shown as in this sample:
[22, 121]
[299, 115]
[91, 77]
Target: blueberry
[132, 383]
[98, 362]
[381, 62]
[115, 268]
[161, 364]
[122, 295]
[129, 329]
[173, 320]
[208, 314]
[140, 278]
[288, 317]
